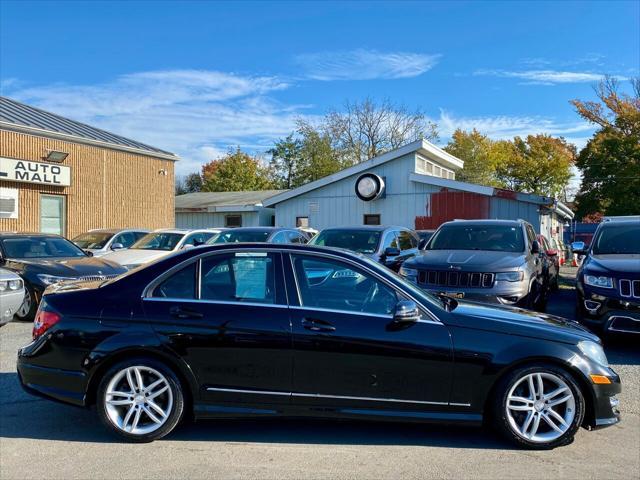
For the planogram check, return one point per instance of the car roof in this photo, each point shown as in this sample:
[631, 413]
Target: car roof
[258, 229]
[29, 234]
[373, 228]
[485, 221]
[116, 230]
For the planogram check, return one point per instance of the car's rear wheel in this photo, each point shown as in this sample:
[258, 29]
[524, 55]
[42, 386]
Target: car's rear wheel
[539, 406]
[27, 310]
[140, 399]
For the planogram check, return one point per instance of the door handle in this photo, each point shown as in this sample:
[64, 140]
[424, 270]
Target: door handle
[180, 312]
[316, 325]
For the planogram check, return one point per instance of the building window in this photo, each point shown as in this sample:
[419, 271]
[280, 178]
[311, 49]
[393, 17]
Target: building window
[370, 219]
[53, 212]
[302, 222]
[231, 221]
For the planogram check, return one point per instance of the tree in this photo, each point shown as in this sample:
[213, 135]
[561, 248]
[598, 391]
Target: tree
[234, 172]
[286, 162]
[538, 164]
[318, 158]
[610, 162]
[189, 184]
[480, 156]
[367, 129]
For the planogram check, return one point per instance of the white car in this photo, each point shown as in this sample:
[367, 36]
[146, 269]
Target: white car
[160, 243]
[11, 295]
[106, 240]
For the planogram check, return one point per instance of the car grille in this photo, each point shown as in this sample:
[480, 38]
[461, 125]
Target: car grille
[93, 278]
[629, 288]
[624, 324]
[456, 279]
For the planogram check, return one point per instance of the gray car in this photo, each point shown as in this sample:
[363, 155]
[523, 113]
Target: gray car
[495, 261]
[102, 241]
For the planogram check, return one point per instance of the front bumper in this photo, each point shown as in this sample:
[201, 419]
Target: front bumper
[605, 404]
[606, 311]
[502, 293]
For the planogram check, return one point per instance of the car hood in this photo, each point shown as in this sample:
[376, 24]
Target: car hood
[517, 321]
[467, 260]
[135, 256]
[72, 267]
[628, 263]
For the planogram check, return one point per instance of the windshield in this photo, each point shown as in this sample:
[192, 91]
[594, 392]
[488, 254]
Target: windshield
[158, 241]
[92, 239]
[361, 241]
[498, 238]
[616, 239]
[236, 236]
[40, 247]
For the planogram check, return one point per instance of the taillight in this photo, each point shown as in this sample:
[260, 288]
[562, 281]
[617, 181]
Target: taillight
[45, 319]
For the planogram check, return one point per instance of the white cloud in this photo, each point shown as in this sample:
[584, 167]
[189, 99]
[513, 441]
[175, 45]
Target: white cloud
[545, 77]
[364, 64]
[196, 114]
[502, 127]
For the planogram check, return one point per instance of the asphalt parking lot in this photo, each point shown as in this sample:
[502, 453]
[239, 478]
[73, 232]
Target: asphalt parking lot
[42, 439]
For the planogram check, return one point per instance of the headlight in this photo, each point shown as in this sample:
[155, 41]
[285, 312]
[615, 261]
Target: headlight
[52, 279]
[602, 282]
[411, 273]
[593, 351]
[509, 276]
[15, 285]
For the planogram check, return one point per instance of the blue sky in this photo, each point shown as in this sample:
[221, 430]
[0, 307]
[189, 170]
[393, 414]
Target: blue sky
[198, 77]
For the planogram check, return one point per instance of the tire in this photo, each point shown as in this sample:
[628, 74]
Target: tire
[27, 311]
[516, 419]
[128, 411]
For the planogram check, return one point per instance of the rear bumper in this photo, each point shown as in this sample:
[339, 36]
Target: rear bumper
[66, 386]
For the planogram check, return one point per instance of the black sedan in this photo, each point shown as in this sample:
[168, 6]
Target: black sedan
[44, 259]
[264, 330]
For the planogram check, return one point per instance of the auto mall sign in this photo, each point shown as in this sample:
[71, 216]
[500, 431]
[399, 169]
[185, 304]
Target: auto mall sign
[34, 172]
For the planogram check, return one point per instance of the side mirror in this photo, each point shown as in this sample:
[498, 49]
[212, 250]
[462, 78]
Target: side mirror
[578, 247]
[117, 246]
[187, 246]
[391, 252]
[551, 252]
[406, 312]
[89, 253]
[535, 247]
[422, 244]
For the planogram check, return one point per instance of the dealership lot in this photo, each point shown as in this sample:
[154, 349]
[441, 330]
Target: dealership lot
[41, 439]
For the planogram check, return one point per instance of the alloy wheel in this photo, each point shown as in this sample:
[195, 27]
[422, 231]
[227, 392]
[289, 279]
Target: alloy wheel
[25, 308]
[540, 407]
[138, 400]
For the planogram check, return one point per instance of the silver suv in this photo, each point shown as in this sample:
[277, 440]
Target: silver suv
[495, 261]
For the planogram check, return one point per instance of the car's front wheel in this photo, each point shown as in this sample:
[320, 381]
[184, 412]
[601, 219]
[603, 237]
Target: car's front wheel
[27, 311]
[140, 399]
[539, 406]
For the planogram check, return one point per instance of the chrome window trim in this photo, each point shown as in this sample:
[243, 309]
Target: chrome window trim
[337, 397]
[146, 293]
[433, 319]
[214, 302]
[337, 310]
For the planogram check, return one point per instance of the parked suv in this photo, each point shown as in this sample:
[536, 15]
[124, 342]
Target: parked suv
[99, 242]
[496, 261]
[389, 246]
[608, 282]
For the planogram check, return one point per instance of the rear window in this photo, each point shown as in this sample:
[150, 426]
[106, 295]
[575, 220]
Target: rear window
[500, 238]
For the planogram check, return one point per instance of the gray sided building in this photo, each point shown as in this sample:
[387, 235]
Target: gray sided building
[224, 209]
[413, 186]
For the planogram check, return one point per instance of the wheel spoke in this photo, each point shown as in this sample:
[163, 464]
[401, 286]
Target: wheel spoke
[139, 379]
[559, 401]
[120, 402]
[158, 392]
[150, 388]
[127, 417]
[551, 423]
[532, 388]
[150, 414]
[130, 380]
[136, 419]
[116, 393]
[551, 412]
[157, 408]
[527, 422]
[555, 393]
[540, 386]
[536, 424]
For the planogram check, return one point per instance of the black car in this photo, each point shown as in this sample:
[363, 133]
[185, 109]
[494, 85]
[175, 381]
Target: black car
[44, 259]
[389, 246]
[264, 330]
[260, 234]
[608, 281]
